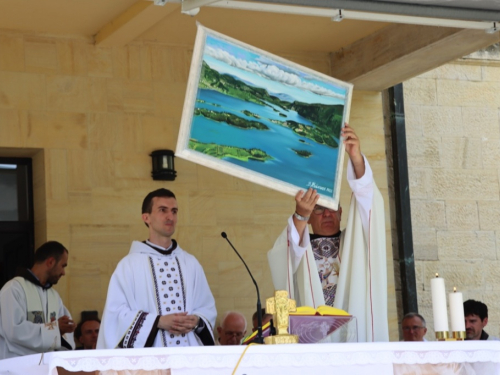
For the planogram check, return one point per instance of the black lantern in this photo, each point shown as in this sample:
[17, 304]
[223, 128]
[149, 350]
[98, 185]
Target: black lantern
[163, 165]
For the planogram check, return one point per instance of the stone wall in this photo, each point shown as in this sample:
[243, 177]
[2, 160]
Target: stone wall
[453, 139]
[91, 116]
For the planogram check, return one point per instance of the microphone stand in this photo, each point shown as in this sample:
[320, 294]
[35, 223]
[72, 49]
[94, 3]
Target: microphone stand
[258, 338]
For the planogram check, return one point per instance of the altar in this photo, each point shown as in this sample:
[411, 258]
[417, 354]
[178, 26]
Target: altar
[390, 358]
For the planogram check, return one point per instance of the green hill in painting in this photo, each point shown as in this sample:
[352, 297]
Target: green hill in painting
[328, 118]
[222, 151]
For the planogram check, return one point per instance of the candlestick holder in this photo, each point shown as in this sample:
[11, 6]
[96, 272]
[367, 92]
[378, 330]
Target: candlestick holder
[455, 336]
[458, 335]
[442, 335]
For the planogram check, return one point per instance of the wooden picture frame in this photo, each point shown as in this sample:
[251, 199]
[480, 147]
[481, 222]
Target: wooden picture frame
[264, 119]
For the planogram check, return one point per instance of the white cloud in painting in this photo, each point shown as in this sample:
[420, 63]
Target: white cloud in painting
[269, 71]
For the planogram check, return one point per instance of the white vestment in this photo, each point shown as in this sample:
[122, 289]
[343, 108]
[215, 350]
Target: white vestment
[362, 280]
[28, 319]
[139, 292]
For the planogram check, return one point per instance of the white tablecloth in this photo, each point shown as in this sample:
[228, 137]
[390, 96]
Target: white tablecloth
[467, 358]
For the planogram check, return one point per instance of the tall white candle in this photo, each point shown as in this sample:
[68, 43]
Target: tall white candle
[457, 311]
[439, 304]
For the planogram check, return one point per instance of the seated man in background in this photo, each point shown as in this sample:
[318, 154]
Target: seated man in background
[33, 318]
[232, 328]
[476, 318]
[265, 319]
[413, 326]
[86, 333]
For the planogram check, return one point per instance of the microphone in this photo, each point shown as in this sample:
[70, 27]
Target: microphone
[258, 338]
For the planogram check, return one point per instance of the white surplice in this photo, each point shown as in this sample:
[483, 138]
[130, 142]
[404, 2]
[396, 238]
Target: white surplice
[28, 320]
[362, 280]
[139, 292]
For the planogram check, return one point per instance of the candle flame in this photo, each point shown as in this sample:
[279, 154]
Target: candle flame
[454, 289]
[437, 274]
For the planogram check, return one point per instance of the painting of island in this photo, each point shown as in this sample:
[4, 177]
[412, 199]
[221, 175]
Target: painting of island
[262, 118]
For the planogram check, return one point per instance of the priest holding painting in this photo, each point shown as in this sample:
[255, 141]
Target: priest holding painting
[345, 269]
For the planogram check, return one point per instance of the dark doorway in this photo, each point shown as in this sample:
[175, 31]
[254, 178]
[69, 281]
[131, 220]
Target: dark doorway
[16, 216]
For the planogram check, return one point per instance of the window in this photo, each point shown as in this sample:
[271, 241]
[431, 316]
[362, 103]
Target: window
[16, 216]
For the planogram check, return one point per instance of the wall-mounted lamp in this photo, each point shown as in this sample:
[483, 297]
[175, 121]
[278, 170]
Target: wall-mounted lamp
[163, 165]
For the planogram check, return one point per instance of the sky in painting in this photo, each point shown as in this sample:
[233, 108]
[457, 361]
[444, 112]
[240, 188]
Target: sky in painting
[275, 77]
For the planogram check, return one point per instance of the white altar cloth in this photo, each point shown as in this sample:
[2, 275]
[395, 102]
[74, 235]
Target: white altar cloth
[472, 357]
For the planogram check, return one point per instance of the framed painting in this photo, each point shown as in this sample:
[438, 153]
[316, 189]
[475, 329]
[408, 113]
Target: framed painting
[264, 119]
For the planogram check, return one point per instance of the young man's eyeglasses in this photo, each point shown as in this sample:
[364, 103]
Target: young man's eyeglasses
[319, 210]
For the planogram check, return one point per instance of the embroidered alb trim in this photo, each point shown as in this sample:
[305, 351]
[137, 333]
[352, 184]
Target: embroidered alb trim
[182, 283]
[157, 294]
[131, 337]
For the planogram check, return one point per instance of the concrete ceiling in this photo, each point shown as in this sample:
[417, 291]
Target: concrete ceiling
[373, 55]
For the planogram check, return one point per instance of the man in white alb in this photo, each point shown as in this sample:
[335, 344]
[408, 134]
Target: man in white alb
[345, 269]
[158, 295]
[33, 318]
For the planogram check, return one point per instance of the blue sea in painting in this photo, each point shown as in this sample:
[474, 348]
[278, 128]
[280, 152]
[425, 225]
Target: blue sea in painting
[317, 171]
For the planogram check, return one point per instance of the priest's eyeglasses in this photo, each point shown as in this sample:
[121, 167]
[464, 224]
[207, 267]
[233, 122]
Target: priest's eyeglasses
[319, 210]
[412, 328]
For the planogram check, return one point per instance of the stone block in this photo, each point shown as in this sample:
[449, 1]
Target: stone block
[231, 282]
[238, 207]
[489, 215]
[490, 153]
[491, 275]
[159, 132]
[413, 121]
[442, 120]
[459, 153]
[201, 208]
[103, 171]
[79, 175]
[170, 64]
[56, 169]
[100, 62]
[11, 134]
[462, 215]
[425, 214]
[470, 245]
[458, 72]
[22, 91]
[423, 152]
[72, 55]
[127, 132]
[53, 129]
[468, 94]
[425, 244]
[130, 96]
[420, 91]
[107, 209]
[462, 274]
[101, 131]
[41, 55]
[419, 275]
[272, 207]
[491, 73]
[481, 122]
[12, 53]
[81, 207]
[169, 98]
[67, 93]
[97, 99]
[419, 183]
[460, 184]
